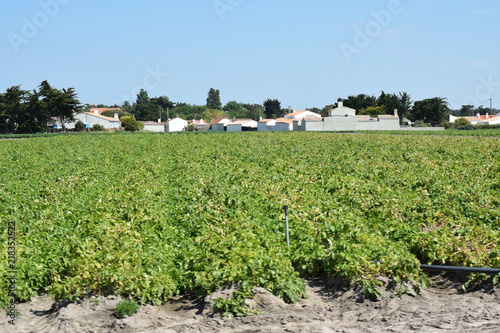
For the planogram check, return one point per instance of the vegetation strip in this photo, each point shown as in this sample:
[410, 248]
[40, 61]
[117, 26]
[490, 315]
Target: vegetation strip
[146, 217]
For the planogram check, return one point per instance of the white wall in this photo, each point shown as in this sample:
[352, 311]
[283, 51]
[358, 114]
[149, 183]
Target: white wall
[160, 128]
[91, 120]
[176, 125]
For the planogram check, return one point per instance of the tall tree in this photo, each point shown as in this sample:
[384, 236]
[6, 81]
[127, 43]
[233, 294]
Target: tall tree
[213, 99]
[12, 106]
[272, 108]
[360, 101]
[404, 105]
[144, 109]
[390, 102]
[59, 103]
[431, 110]
[466, 110]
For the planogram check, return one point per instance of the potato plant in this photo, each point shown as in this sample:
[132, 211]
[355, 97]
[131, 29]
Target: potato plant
[149, 216]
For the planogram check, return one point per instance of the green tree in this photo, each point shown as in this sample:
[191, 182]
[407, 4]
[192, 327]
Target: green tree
[272, 108]
[431, 110]
[213, 99]
[12, 108]
[325, 111]
[466, 110]
[144, 109]
[461, 121]
[360, 101]
[390, 102]
[255, 111]
[373, 111]
[59, 103]
[237, 110]
[121, 113]
[79, 126]
[163, 103]
[403, 106]
[130, 124]
[97, 128]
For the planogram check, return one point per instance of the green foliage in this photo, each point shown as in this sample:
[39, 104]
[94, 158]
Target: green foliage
[235, 306]
[130, 124]
[360, 207]
[22, 111]
[79, 126]
[461, 121]
[431, 110]
[272, 108]
[97, 128]
[213, 99]
[121, 113]
[126, 308]
[373, 111]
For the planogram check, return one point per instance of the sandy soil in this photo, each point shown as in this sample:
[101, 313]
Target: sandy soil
[442, 308]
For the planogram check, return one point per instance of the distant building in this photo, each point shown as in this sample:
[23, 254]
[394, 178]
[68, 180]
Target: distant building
[101, 110]
[176, 125]
[344, 119]
[301, 115]
[239, 125]
[91, 119]
[219, 124]
[154, 126]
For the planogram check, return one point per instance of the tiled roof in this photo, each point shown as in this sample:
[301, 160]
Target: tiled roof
[265, 120]
[102, 117]
[366, 118]
[487, 120]
[387, 116]
[296, 113]
[283, 120]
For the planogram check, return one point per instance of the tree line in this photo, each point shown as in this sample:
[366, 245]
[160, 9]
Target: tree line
[24, 111]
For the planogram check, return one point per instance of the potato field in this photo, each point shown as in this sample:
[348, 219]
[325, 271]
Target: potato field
[150, 216]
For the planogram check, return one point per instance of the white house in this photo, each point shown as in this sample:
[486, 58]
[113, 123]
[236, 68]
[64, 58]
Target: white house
[238, 125]
[265, 125]
[302, 114]
[154, 126]
[219, 124]
[344, 119]
[91, 119]
[495, 120]
[176, 125]
[478, 119]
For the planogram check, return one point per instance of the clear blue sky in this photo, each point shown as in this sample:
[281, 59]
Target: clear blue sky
[304, 53]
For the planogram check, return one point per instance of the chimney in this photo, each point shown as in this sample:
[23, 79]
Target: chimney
[177, 116]
[478, 115]
[395, 112]
[96, 111]
[487, 115]
[159, 121]
[225, 116]
[260, 118]
[341, 104]
[116, 115]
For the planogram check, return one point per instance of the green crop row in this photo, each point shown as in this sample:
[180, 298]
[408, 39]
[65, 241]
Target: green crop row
[152, 216]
